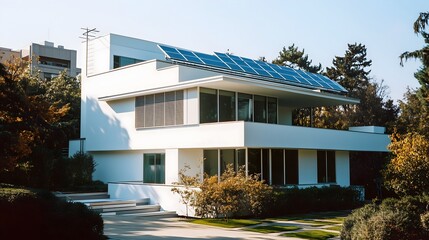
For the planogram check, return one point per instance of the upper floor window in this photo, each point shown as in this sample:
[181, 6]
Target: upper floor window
[120, 61]
[54, 62]
[161, 109]
[222, 106]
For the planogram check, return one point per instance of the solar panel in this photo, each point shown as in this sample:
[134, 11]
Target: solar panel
[244, 66]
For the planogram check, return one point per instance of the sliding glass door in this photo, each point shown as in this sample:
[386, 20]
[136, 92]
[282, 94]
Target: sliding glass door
[154, 168]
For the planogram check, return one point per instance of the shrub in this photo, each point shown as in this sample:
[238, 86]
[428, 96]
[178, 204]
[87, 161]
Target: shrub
[34, 214]
[313, 199]
[234, 195]
[392, 219]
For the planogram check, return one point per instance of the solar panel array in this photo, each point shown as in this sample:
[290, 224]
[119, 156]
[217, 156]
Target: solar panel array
[245, 66]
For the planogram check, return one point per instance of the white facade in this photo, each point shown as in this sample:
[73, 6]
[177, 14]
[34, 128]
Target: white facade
[110, 93]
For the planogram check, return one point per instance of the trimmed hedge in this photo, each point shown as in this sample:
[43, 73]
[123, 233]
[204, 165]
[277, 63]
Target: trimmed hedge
[313, 199]
[34, 214]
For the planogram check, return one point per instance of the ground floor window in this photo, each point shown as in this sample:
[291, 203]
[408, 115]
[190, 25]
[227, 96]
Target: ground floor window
[154, 168]
[326, 167]
[274, 166]
[216, 161]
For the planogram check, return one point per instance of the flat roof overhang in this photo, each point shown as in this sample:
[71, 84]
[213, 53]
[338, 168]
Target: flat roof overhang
[294, 96]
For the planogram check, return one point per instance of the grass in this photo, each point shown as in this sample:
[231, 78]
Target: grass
[231, 223]
[313, 234]
[335, 228]
[272, 229]
[337, 216]
[316, 222]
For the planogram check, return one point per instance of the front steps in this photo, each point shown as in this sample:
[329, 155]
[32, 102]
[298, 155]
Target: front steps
[103, 204]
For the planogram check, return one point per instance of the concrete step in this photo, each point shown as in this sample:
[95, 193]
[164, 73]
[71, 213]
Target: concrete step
[82, 196]
[131, 210]
[150, 214]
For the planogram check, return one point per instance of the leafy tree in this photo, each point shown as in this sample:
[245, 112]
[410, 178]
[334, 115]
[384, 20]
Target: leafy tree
[407, 173]
[36, 119]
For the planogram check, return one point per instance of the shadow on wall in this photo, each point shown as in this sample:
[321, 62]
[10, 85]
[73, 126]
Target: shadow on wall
[104, 130]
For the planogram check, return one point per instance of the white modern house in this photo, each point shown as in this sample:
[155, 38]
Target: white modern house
[150, 109]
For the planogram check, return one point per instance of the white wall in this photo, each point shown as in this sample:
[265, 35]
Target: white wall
[342, 167]
[282, 136]
[158, 194]
[118, 166]
[192, 158]
[171, 165]
[307, 167]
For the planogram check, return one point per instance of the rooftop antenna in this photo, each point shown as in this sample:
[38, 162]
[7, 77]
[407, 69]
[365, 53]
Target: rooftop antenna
[87, 34]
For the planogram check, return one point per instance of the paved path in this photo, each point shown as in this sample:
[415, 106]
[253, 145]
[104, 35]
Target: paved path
[157, 228]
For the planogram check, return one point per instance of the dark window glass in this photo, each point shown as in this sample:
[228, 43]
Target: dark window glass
[326, 167]
[254, 161]
[226, 106]
[227, 157]
[272, 110]
[291, 165]
[154, 168]
[208, 105]
[266, 165]
[211, 162]
[331, 167]
[277, 162]
[120, 61]
[241, 159]
[260, 109]
[245, 107]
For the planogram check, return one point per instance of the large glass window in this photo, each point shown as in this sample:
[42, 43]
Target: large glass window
[266, 165]
[260, 109]
[120, 61]
[154, 168]
[326, 167]
[211, 162]
[277, 164]
[245, 107]
[254, 161]
[272, 110]
[226, 106]
[291, 165]
[227, 156]
[208, 105]
[241, 158]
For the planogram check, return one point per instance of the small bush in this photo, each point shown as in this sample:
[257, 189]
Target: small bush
[33, 214]
[234, 195]
[392, 219]
[295, 200]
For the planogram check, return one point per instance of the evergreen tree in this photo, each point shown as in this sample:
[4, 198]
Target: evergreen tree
[297, 59]
[415, 110]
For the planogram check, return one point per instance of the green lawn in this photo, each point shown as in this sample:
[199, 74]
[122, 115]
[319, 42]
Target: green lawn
[313, 234]
[272, 229]
[231, 223]
[335, 228]
[317, 223]
[338, 216]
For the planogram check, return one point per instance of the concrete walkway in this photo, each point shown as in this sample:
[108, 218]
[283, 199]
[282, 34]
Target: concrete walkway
[157, 228]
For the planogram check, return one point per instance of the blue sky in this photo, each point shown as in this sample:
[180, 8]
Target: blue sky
[247, 28]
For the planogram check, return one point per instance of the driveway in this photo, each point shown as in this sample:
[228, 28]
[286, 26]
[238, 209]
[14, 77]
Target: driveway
[157, 228]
